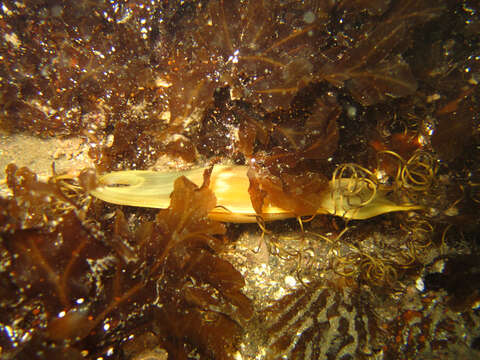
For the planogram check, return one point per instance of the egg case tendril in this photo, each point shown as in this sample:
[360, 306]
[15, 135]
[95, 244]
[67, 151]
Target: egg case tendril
[354, 197]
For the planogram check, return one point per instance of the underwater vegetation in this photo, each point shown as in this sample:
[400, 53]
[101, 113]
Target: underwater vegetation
[77, 284]
[357, 119]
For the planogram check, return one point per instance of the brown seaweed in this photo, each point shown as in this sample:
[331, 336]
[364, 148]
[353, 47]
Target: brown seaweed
[300, 193]
[301, 88]
[263, 50]
[88, 284]
[373, 71]
[454, 131]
